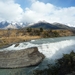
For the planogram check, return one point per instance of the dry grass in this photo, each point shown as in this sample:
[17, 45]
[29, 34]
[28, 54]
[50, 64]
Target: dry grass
[64, 32]
[13, 36]
[8, 37]
[9, 40]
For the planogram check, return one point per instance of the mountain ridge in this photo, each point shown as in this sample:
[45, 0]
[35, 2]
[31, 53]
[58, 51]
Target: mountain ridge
[40, 24]
[12, 25]
[46, 25]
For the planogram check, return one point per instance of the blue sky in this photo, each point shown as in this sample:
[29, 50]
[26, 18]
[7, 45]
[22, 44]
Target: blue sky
[59, 3]
[31, 11]
[23, 3]
[62, 3]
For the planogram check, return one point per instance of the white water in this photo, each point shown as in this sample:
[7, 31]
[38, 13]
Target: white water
[52, 48]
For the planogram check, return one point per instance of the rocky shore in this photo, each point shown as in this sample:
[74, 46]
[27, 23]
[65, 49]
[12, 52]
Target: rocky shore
[20, 58]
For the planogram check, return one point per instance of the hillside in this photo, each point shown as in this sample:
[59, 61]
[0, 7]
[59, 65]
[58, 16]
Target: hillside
[46, 25]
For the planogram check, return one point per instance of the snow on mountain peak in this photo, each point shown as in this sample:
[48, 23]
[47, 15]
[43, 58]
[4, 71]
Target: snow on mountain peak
[13, 25]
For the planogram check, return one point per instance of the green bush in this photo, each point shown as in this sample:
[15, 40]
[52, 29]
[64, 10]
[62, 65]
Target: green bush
[41, 29]
[63, 66]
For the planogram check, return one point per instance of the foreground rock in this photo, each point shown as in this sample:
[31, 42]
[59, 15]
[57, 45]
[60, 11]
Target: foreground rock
[20, 58]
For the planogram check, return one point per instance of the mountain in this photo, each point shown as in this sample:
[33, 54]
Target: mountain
[40, 24]
[12, 25]
[46, 25]
[61, 26]
[3, 24]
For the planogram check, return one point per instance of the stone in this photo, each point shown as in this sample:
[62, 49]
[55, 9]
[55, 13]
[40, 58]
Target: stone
[20, 58]
[17, 44]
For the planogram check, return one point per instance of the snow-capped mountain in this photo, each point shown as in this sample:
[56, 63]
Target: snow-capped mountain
[47, 25]
[12, 25]
[40, 24]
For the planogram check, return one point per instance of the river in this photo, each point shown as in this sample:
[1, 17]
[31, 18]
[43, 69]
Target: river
[52, 48]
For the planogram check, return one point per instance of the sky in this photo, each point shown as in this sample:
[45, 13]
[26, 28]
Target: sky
[31, 11]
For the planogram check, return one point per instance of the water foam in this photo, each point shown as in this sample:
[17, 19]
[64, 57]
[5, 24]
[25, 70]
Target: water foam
[56, 50]
[53, 50]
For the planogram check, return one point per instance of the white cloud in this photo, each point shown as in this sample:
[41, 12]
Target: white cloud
[41, 11]
[38, 11]
[10, 11]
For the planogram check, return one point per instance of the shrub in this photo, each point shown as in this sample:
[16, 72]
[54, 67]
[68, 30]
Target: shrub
[63, 66]
[41, 29]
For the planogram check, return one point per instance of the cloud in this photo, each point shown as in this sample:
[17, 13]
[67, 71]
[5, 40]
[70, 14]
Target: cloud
[10, 11]
[50, 13]
[38, 11]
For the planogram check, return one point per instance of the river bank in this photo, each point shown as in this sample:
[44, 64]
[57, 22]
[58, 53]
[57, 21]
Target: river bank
[22, 35]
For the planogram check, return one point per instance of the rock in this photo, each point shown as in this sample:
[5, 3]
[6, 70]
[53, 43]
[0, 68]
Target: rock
[17, 44]
[20, 58]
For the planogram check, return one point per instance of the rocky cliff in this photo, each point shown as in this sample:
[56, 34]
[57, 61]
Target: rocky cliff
[20, 58]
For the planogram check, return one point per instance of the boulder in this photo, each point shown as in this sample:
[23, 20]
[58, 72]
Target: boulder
[20, 58]
[17, 44]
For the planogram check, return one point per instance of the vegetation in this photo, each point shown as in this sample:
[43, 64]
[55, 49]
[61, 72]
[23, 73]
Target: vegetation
[63, 66]
[20, 35]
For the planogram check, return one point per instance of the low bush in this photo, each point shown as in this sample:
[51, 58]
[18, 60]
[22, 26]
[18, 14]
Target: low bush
[63, 66]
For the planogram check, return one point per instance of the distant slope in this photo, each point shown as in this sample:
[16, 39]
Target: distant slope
[47, 25]
[61, 26]
[44, 25]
